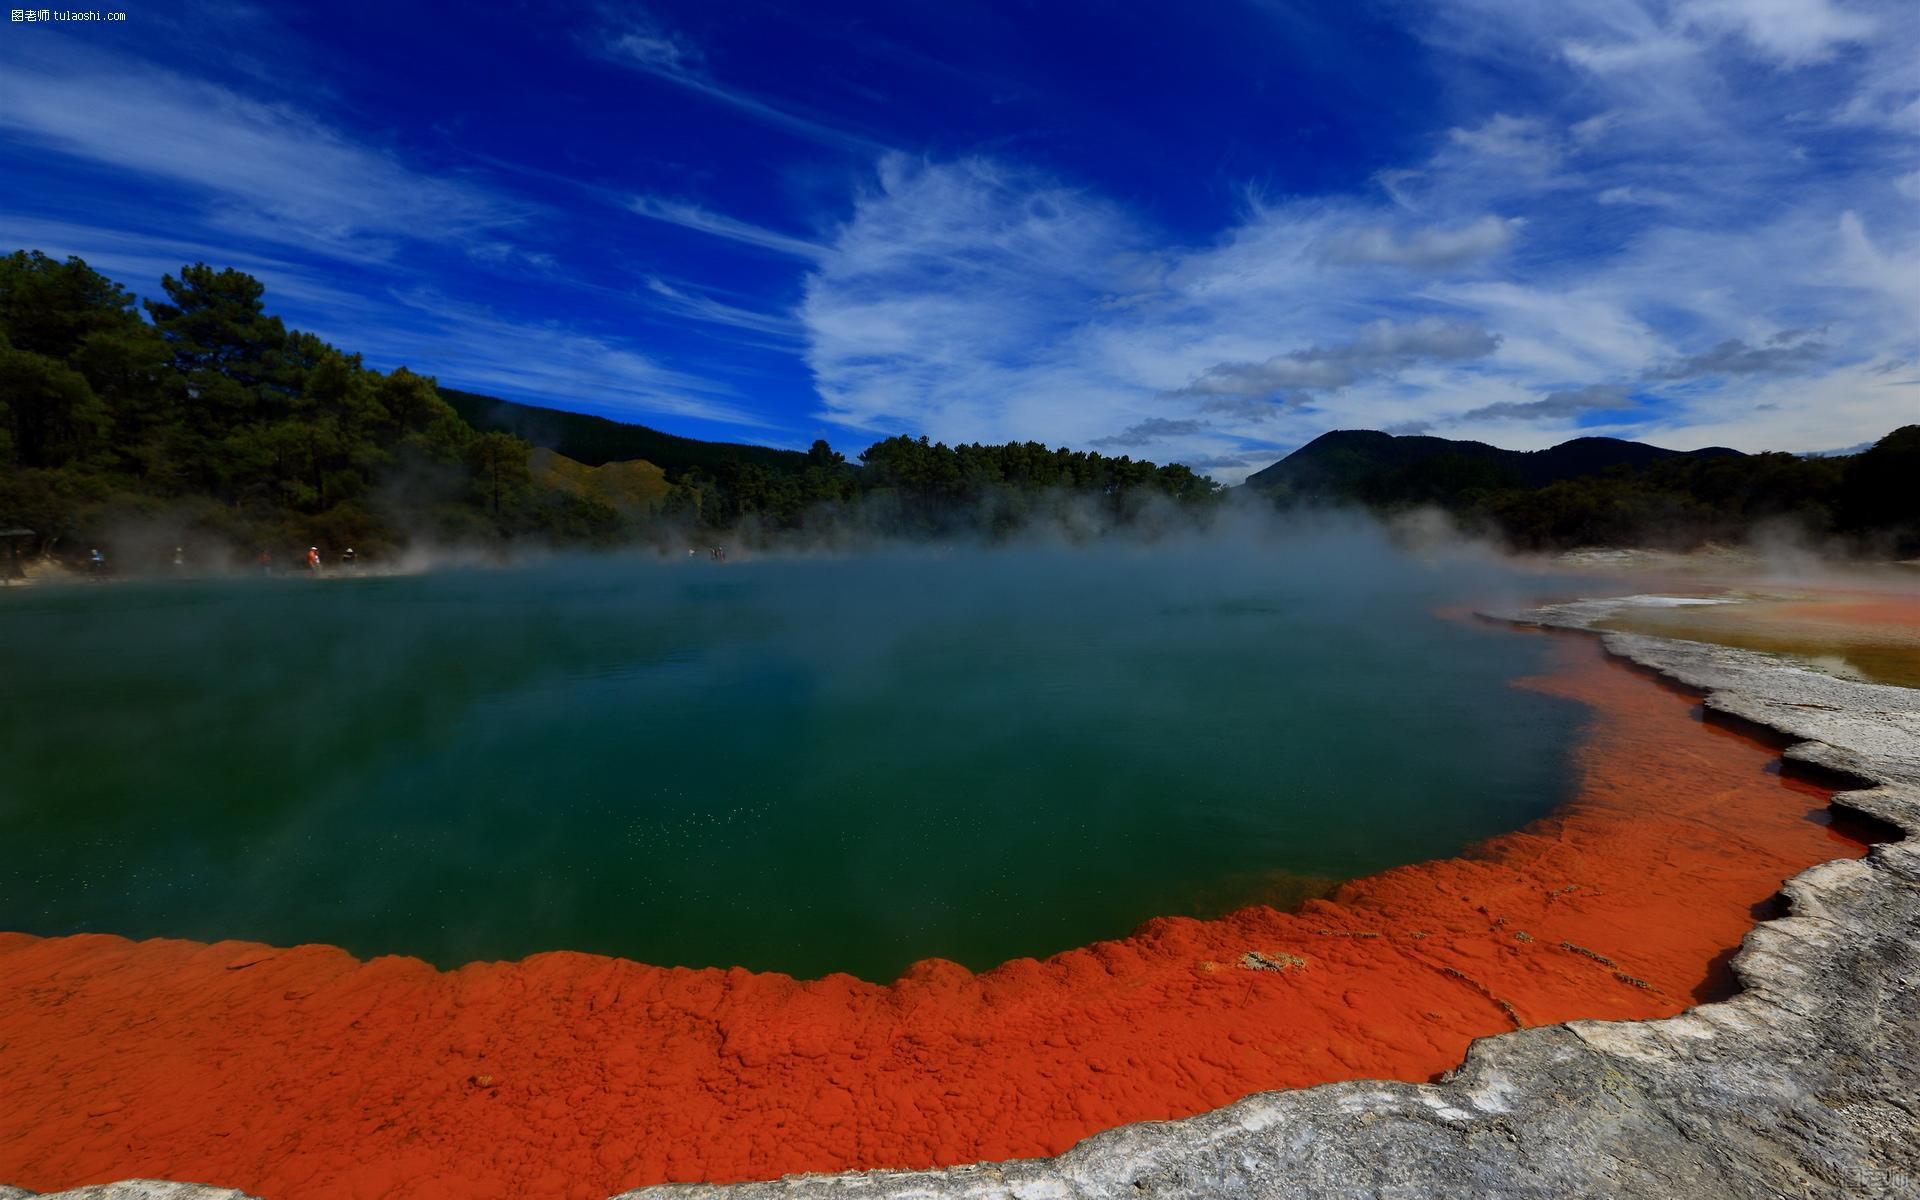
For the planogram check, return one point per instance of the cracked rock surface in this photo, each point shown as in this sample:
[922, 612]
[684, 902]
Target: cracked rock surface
[132, 1189]
[1806, 1083]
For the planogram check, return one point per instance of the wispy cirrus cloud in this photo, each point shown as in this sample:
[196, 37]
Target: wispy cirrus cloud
[702, 220]
[699, 306]
[256, 168]
[636, 36]
[496, 353]
[633, 36]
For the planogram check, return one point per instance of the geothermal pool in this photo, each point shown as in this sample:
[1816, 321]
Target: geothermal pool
[799, 766]
[811, 766]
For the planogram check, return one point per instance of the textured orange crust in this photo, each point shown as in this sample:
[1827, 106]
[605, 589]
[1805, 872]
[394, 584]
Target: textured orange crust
[303, 1074]
[1899, 612]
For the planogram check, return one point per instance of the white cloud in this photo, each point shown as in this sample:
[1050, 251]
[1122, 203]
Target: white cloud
[1784, 353]
[1630, 55]
[1426, 248]
[1555, 406]
[1149, 431]
[1793, 32]
[1644, 196]
[947, 304]
[1842, 407]
[1381, 348]
[1525, 141]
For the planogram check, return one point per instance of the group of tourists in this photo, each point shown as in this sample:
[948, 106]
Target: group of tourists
[349, 559]
[98, 566]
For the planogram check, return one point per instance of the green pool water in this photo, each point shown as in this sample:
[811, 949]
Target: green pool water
[806, 766]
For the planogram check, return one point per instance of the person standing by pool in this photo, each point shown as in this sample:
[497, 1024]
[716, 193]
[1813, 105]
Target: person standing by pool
[313, 559]
[96, 562]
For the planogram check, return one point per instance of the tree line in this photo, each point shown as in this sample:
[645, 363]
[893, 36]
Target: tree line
[201, 418]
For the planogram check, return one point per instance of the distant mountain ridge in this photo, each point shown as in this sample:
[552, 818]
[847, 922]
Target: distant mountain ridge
[1348, 463]
[1595, 491]
[595, 441]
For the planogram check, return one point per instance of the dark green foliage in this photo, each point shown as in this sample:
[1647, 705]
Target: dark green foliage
[932, 488]
[53, 415]
[53, 308]
[1881, 490]
[1606, 492]
[211, 423]
[499, 465]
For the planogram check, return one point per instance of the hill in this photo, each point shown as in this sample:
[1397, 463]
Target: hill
[1350, 464]
[632, 489]
[1607, 492]
[596, 441]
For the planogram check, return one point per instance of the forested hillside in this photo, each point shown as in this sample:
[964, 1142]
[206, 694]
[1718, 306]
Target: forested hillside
[1355, 463]
[1608, 492]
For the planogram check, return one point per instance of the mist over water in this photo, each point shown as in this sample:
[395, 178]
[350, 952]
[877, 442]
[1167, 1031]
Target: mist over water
[805, 765]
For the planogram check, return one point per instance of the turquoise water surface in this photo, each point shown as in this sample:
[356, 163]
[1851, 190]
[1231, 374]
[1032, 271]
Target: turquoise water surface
[807, 766]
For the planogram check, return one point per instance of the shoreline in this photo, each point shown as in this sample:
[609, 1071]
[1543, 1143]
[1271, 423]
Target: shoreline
[1080, 1170]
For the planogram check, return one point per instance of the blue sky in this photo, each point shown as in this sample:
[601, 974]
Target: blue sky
[1199, 232]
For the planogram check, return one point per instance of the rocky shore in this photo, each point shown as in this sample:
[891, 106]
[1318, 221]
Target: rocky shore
[1803, 1084]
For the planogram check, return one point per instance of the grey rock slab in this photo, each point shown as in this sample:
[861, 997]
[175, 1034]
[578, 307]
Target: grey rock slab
[132, 1189]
